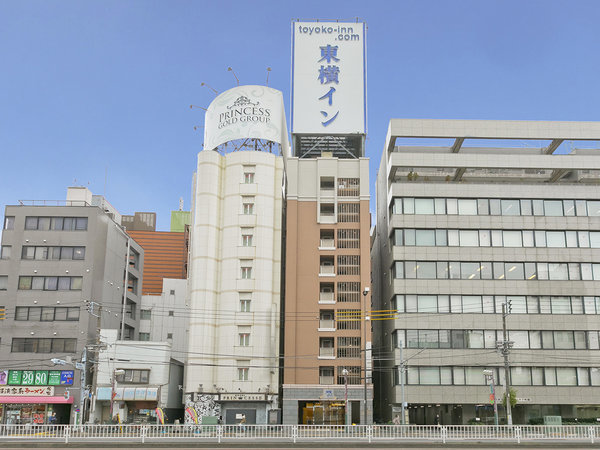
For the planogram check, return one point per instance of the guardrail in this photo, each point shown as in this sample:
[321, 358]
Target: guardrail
[300, 433]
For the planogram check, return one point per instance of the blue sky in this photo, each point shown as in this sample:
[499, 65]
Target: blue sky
[95, 87]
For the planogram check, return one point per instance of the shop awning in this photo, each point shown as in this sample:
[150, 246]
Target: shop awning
[35, 399]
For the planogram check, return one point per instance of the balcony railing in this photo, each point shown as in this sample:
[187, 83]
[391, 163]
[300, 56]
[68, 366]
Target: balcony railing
[327, 270]
[326, 379]
[327, 243]
[326, 297]
[327, 324]
[327, 352]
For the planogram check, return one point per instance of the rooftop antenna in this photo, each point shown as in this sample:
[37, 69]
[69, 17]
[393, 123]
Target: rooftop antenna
[194, 106]
[210, 87]
[229, 69]
[268, 71]
[180, 203]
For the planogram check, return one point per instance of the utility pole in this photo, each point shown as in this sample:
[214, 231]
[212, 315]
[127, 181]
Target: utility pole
[97, 346]
[366, 321]
[402, 372]
[504, 347]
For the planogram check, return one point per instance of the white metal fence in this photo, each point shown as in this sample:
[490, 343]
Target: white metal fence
[300, 433]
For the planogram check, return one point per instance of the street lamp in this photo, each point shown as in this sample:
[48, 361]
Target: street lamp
[345, 374]
[365, 293]
[112, 392]
[489, 376]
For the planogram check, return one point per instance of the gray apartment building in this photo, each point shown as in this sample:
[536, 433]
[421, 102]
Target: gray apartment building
[55, 262]
[472, 215]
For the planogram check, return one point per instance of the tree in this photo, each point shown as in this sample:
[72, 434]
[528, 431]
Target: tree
[513, 398]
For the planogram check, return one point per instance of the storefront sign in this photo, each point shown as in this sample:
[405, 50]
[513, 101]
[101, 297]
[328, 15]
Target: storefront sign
[25, 391]
[37, 377]
[328, 78]
[246, 112]
[243, 397]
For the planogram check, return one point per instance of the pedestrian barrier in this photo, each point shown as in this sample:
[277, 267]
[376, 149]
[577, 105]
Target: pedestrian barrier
[300, 433]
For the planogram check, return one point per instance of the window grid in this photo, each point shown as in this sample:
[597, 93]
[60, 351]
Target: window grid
[348, 347]
[348, 292]
[348, 187]
[350, 238]
[348, 319]
[348, 265]
[348, 212]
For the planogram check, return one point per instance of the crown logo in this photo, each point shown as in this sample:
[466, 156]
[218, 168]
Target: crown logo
[242, 100]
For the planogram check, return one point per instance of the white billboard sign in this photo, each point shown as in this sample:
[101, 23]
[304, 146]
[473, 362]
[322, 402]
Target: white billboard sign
[246, 112]
[328, 78]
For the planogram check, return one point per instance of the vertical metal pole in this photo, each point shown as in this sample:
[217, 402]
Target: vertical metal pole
[365, 293]
[125, 289]
[505, 347]
[402, 371]
[112, 395]
[493, 389]
[82, 381]
[346, 399]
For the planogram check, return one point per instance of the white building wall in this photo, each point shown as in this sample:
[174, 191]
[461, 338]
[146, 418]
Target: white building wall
[215, 273]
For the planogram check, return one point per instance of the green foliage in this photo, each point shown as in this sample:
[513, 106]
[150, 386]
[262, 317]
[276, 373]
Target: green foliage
[513, 398]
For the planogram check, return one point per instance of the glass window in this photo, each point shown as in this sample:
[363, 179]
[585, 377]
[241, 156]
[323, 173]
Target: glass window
[498, 270]
[426, 270]
[440, 205]
[399, 303]
[581, 207]
[445, 338]
[526, 208]
[76, 283]
[518, 304]
[445, 375]
[427, 303]
[43, 223]
[145, 314]
[31, 223]
[73, 313]
[56, 223]
[440, 238]
[595, 376]
[412, 375]
[537, 376]
[589, 305]
[469, 238]
[429, 375]
[37, 283]
[564, 340]
[47, 314]
[21, 312]
[68, 223]
[456, 303]
[576, 305]
[593, 343]
[538, 207]
[410, 269]
[442, 270]
[428, 339]
[4, 282]
[550, 376]
[458, 338]
[528, 239]
[486, 270]
[586, 271]
[425, 238]
[59, 313]
[574, 273]
[520, 338]
[583, 376]
[555, 239]
[470, 270]
[9, 223]
[532, 305]
[51, 283]
[453, 238]
[535, 340]
[443, 303]
[571, 239]
[569, 207]
[41, 253]
[594, 239]
[459, 375]
[424, 206]
[530, 271]
[79, 253]
[411, 303]
[514, 271]
[474, 376]
[471, 304]
[66, 253]
[467, 207]
[566, 376]
[409, 206]
[512, 238]
[489, 337]
[474, 338]
[454, 270]
[520, 376]
[488, 304]
[451, 206]
[483, 207]
[409, 237]
[81, 223]
[495, 207]
[542, 271]
[547, 340]
[398, 270]
[553, 208]
[593, 208]
[64, 283]
[545, 305]
[558, 271]
[580, 340]
[5, 251]
[497, 238]
[412, 338]
[484, 238]
[510, 207]
[397, 206]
